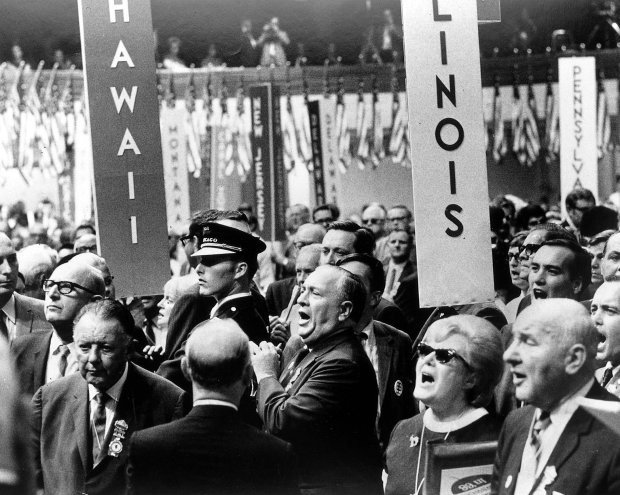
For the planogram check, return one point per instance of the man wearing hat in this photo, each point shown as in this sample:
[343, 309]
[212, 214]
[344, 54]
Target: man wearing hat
[227, 263]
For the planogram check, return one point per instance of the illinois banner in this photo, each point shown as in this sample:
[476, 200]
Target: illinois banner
[119, 79]
[444, 95]
[578, 152]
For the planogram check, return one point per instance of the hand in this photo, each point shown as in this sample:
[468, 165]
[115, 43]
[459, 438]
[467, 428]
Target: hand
[153, 352]
[279, 331]
[265, 360]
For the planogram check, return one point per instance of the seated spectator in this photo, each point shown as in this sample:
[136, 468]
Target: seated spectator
[172, 60]
[213, 58]
[273, 41]
[459, 363]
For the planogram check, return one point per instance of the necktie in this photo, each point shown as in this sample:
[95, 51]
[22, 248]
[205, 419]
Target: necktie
[3, 328]
[389, 284]
[286, 377]
[539, 427]
[99, 426]
[606, 376]
[63, 350]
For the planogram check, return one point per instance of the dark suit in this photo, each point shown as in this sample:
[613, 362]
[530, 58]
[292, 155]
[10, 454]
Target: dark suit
[62, 432]
[29, 315]
[391, 314]
[329, 415]
[407, 298]
[395, 380]
[242, 310]
[210, 451]
[30, 354]
[279, 295]
[586, 457]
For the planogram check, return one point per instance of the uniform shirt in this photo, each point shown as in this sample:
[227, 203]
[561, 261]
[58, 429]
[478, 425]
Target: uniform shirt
[215, 308]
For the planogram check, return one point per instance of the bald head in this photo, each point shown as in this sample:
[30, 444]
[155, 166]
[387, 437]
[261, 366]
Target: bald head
[218, 358]
[100, 264]
[309, 233]
[306, 262]
[36, 263]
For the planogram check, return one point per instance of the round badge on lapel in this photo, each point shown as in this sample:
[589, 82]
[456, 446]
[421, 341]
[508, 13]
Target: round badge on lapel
[413, 441]
[233, 309]
[398, 388]
[508, 481]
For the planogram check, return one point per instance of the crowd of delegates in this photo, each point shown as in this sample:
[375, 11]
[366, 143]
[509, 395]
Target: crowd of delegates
[309, 366]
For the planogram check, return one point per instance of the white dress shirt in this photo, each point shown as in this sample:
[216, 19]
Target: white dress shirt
[549, 437]
[214, 402]
[52, 369]
[114, 395]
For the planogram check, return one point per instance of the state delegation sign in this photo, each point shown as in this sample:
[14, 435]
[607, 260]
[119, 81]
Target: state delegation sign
[451, 204]
[120, 84]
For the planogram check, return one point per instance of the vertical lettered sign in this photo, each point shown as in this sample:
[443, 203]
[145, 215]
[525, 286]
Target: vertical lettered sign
[329, 144]
[270, 186]
[318, 170]
[451, 198]
[578, 152]
[119, 80]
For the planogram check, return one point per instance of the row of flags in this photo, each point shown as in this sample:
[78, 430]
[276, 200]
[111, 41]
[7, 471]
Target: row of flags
[37, 122]
[530, 139]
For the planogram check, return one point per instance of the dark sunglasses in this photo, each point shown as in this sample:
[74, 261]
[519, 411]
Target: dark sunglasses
[64, 287]
[442, 356]
[529, 249]
[185, 239]
[512, 256]
[373, 221]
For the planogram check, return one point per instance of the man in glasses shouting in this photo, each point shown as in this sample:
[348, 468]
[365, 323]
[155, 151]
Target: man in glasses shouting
[45, 356]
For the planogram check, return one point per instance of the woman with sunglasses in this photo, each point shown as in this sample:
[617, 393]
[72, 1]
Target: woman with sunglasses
[458, 365]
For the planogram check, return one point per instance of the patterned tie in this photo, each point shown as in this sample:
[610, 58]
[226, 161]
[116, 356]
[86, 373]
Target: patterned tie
[63, 350]
[539, 427]
[389, 284]
[606, 377]
[99, 426]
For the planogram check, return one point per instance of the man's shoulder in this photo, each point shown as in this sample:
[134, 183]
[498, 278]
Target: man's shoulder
[145, 380]
[62, 388]
[384, 329]
[31, 340]
[282, 284]
[29, 303]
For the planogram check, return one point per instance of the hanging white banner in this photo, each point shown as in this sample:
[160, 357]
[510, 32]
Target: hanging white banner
[174, 154]
[444, 95]
[578, 153]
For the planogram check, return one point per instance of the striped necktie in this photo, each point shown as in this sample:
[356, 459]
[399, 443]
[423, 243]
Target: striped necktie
[543, 421]
[98, 430]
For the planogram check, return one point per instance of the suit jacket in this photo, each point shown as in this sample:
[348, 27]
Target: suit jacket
[30, 356]
[210, 451]
[328, 414]
[390, 314]
[279, 295]
[586, 457]
[62, 433]
[407, 298]
[29, 315]
[395, 379]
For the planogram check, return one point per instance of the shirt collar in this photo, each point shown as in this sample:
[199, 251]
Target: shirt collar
[214, 402]
[369, 331]
[114, 391]
[563, 412]
[466, 419]
[9, 309]
[215, 308]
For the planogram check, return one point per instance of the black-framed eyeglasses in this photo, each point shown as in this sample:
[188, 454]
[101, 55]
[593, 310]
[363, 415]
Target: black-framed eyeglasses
[442, 356]
[397, 219]
[185, 239]
[64, 286]
[373, 221]
[529, 249]
[513, 256]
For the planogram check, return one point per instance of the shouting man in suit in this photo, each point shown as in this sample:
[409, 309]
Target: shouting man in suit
[325, 401]
[19, 315]
[82, 422]
[211, 450]
[605, 311]
[389, 350]
[552, 445]
[45, 356]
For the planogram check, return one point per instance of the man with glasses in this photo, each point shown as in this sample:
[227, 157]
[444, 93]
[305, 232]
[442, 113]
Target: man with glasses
[373, 218]
[46, 356]
[577, 202]
[325, 214]
[19, 315]
[399, 217]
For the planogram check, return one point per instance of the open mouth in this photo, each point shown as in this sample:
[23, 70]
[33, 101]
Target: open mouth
[539, 294]
[517, 378]
[426, 378]
[303, 317]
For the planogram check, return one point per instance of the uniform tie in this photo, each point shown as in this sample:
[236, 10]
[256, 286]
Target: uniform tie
[99, 417]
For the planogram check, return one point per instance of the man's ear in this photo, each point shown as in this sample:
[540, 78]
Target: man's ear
[185, 369]
[576, 356]
[241, 269]
[375, 298]
[577, 285]
[346, 308]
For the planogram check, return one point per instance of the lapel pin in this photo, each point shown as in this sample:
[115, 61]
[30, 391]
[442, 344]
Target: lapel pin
[116, 444]
[508, 481]
[398, 388]
[413, 441]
